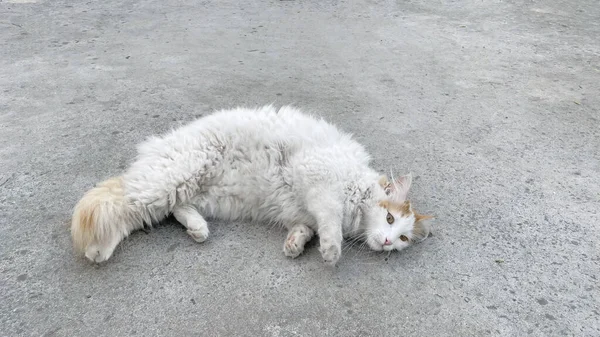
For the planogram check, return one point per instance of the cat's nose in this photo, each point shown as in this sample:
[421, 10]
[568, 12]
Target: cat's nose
[387, 242]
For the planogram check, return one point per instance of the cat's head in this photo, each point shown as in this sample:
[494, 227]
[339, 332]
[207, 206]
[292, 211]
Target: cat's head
[389, 220]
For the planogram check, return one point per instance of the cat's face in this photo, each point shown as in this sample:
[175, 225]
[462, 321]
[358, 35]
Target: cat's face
[390, 221]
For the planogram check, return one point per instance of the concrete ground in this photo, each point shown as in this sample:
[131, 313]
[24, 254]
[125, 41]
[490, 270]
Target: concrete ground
[493, 105]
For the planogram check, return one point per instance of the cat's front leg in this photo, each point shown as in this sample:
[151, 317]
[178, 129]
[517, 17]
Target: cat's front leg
[297, 237]
[328, 212]
[330, 244]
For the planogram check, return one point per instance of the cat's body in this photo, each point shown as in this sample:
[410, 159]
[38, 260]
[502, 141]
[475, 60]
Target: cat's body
[266, 165]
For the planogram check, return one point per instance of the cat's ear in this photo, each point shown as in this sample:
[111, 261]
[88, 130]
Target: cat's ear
[421, 228]
[401, 186]
[383, 181]
[385, 184]
[422, 217]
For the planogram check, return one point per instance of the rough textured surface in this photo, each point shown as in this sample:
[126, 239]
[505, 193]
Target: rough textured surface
[493, 105]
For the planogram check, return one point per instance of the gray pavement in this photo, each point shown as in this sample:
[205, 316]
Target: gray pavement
[493, 105]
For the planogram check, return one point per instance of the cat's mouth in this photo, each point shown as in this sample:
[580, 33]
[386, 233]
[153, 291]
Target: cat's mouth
[387, 248]
[375, 245]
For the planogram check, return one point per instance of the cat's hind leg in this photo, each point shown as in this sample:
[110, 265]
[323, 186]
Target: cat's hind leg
[297, 237]
[196, 226]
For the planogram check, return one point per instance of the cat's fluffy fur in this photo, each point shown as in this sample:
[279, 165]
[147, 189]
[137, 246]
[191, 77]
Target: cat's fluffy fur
[277, 166]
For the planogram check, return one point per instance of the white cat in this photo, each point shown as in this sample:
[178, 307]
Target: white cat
[267, 165]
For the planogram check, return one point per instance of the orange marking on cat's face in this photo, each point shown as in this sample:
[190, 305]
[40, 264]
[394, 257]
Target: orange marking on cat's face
[403, 209]
[420, 230]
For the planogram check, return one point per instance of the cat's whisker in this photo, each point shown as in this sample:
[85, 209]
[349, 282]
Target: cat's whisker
[353, 242]
[349, 247]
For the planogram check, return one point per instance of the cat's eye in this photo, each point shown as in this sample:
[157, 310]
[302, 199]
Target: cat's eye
[390, 218]
[403, 238]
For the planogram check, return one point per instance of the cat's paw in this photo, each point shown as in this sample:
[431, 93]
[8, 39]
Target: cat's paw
[330, 251]
[291, 247]
[199, 235]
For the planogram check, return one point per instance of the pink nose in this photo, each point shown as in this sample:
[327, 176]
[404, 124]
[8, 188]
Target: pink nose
[387, 242]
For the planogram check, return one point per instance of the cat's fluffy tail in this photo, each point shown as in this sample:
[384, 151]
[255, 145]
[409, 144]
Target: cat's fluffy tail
[102, 218]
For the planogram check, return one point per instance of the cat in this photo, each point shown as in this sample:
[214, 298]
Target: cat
[277, 166]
